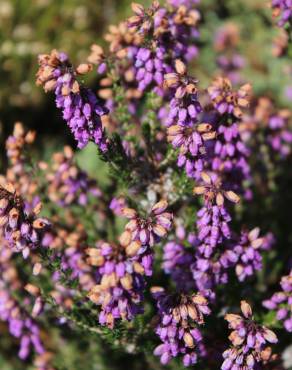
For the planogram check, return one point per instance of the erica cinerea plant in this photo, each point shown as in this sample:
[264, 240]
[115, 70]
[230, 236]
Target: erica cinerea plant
[150, 261]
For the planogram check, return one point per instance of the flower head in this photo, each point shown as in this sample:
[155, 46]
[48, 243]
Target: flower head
[225, 100]
[179, 318]
[249, 340]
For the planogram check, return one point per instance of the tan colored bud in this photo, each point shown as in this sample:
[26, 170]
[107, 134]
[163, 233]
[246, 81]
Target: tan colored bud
[135, 19]
[65, 90]
[209, 135]
[125, 238]
[206, 178]
[254, 233]
[155, 4]
[199, 300]
[9, 187]
[138, 268]
[129, 75]
[199, 190]
[18, 130]
[133, 248]
[239, 270]
[156, 289]
[246, 309]
[159, 230]
[171, 79]
[191, 88]
[122, 53]
[30, 137]
[68, 152]
[132, 225]
[84, 68]
[37, 268]
[257, 243]
[180, 67]
[204, 127]
[237, 112]
[189, 340]
[230, 317]
[138, 9]
[50, 85]
[3, 203]
[129, 212]
[127, 282]
[3, 220]
[192, 312]
[174, 130]
[39, 223]
[235, 338]
[95, 261]
[219, 199]
[32, 289]
[75, 87]
[159, 207]
[94, 297]
[93, 252]
[97, 49]
[183, 310]
[105, 93]
[246, 88]
[270, 336]
[243, 102]
[180, 92]
[233, 197]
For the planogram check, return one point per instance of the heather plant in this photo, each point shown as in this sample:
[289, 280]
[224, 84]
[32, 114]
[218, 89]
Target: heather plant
[179, 223]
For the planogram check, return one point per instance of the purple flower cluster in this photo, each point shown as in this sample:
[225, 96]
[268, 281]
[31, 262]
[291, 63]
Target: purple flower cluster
[67, 183]
[283, 10]
[231, 157]
[219, 249]
[80, 106]
[151, 229]
[23, 231]
[216, 145]
[185, 131]
[169, 32]
[227, 101]
[122, 268]
[195, 265]
[249, 341]
[21, 324]
[179, 318]
[281, 302]
[247, 254]
[213, 218]
[120, 289]
[214, 234]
